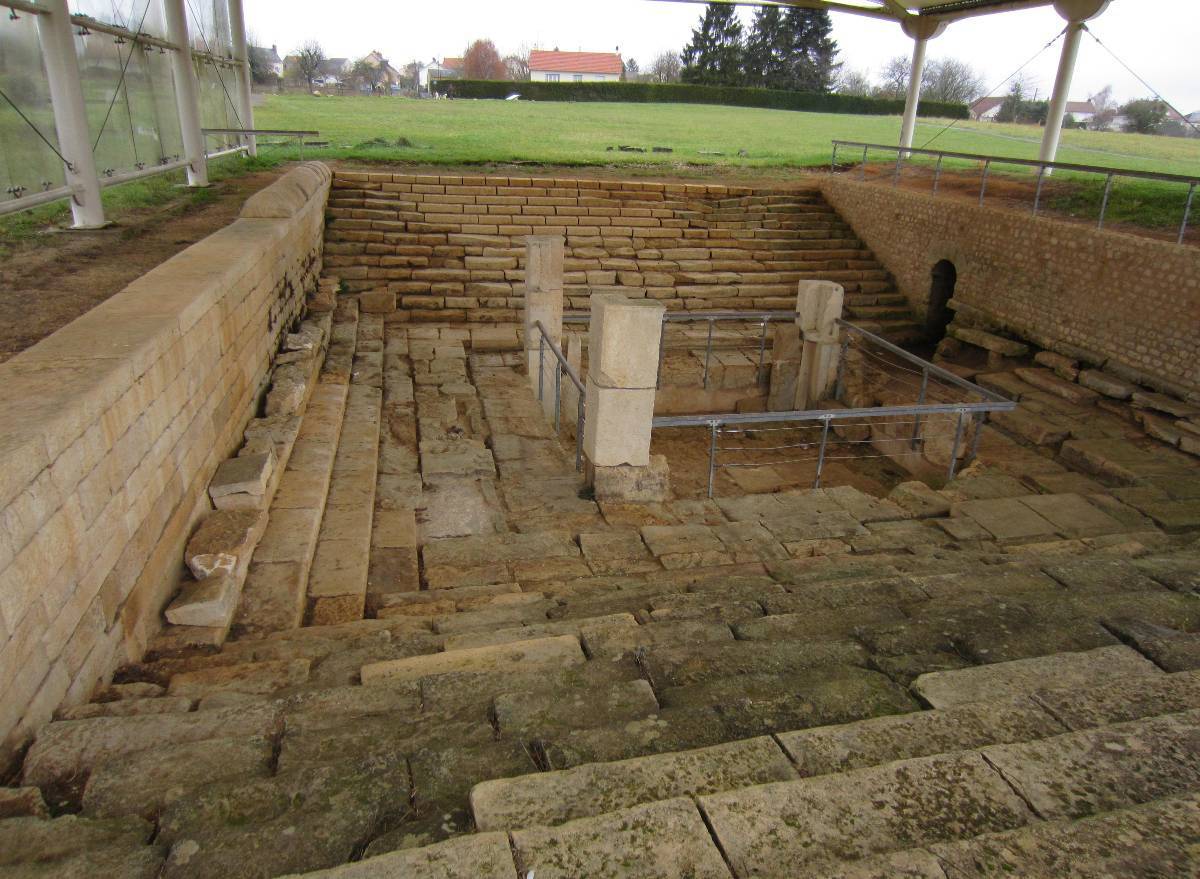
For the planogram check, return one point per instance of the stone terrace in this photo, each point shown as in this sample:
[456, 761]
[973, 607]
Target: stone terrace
[498, 675]
[451, 248]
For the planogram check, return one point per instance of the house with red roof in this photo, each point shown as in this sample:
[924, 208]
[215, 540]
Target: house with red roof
[575, 66]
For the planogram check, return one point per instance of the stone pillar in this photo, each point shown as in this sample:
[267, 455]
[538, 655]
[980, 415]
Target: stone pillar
[543, 302]
[622, 372]
[818, 307]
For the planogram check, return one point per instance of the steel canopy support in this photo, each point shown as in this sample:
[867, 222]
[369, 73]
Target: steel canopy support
[70, 114]
[241, 53]
[921, 31]
[187, 93]
[1076, 12]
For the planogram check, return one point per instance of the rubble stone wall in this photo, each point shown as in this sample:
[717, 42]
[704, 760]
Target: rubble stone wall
[1128, 300]
[110, 430]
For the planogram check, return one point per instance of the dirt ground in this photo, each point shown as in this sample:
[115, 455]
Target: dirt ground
[53, 278]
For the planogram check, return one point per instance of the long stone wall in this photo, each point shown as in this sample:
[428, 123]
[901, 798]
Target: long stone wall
[110, 430]
[1132, 301]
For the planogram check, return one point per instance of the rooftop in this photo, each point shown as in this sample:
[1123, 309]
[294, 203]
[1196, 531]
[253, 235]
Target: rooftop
[576, 62]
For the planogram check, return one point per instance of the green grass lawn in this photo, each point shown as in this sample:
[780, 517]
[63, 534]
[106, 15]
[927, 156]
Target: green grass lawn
[459, 132]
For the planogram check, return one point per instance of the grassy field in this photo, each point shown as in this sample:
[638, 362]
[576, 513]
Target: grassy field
[460, 132]
[705, 141]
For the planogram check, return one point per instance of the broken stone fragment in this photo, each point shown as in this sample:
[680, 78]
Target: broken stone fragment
[1163, 403]
[275, 433]
[286, 397]
[208, 603]
[990, 342]
[308, 338]
[1108, 385]
[1064, 367]
[224, 541]
[246, 475]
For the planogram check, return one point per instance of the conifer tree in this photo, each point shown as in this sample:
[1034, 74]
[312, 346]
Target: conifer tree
[811, 54]
[714, 56]
[762, 64]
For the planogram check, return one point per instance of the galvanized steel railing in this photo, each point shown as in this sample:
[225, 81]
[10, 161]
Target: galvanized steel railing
[1110, 174]
[561, 366]
[824, 419]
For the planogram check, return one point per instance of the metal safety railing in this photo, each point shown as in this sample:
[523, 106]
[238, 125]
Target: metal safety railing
[762, 319]
[934, 400]
[1043, 168]
[286, 136]
[561, 367]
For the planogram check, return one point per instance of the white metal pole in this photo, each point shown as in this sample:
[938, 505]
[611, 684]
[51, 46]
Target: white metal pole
[70, 114]
[187, 93]
[1062, 91]
[241, 54]
[914, 91]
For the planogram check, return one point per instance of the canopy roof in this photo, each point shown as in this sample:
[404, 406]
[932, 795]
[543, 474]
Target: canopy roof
[897, 10]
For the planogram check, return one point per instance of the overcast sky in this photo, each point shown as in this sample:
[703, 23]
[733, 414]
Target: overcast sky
[1158, 39]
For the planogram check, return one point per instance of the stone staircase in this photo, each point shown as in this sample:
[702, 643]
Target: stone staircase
[1000, 677]
[449, 249]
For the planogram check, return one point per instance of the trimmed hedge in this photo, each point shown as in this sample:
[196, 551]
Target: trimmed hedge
[677, 93]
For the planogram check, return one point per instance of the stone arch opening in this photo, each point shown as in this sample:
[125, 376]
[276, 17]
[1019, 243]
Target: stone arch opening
[941, 289]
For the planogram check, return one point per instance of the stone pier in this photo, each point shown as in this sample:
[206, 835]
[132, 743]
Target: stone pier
[623, 350]
[804, 356]
[544, 303]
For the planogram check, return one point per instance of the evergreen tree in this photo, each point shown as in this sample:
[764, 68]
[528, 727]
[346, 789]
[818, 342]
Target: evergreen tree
[714, 56]
[764, 48]
[810, 57]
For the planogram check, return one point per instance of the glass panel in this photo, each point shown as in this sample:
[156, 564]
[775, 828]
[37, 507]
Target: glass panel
[208, 26]
[26, 161]
[128, 14]
[101, 59]
[217, 84]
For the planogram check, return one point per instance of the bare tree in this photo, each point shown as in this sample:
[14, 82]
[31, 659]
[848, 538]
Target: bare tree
[893, 78]
[666, 68]
[632, 72]
[951, 81]
[517, 64]
[482, 61]
[309, 59]
[1107, 109]
[853, 82]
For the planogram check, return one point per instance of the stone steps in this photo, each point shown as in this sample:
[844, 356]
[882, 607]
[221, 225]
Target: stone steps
[273, 598]
[337, 582]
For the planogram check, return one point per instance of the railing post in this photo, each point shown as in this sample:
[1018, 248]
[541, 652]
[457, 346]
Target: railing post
[833, 163]
[70, 113]
[987, 166]
[958, 432]
[708, 351]
[899, 161]
[187, 93]
[862, 169]
[1037, 195]
[557, 395]
[580, 414]
[541, 363]
[714, 427]
[916, 431]
[1108, 182]
[827, 419]
[762, 351]
[662, 351]
[937, 174]
[1187, 212]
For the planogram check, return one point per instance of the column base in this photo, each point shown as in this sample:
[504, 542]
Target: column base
[629, 484]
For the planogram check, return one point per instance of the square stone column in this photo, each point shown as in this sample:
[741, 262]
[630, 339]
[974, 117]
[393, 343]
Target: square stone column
[623, 348]
[818, 308]
[543, 302]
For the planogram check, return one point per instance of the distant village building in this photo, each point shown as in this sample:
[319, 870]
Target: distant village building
[447, 68]
[575, 66]
[986, 109]
[267, 59]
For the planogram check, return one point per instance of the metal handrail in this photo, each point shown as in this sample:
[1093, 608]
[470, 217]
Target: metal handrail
[993, 402]
[561, 365]
[1110, 174]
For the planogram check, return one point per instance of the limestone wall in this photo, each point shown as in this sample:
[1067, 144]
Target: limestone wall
[1132, 300]
[110, 430]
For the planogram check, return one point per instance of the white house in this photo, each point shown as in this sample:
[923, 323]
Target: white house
[447, 68]
[986, 109]
[575, 66]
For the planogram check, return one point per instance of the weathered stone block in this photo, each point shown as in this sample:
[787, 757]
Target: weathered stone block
[624, 342]
[630, 484]
[617, 430]
[224, 541]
